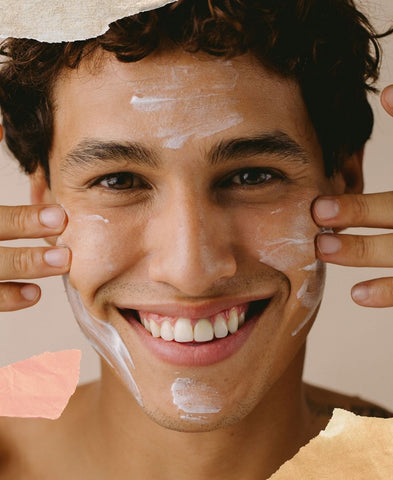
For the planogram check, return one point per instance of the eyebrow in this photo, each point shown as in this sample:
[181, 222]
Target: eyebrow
[276, 143]
[95, 151]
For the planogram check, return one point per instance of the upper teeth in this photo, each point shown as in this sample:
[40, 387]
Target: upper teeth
[203, 330]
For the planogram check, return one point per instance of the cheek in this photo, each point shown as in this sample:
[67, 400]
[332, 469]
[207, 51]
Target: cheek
[285, 242]
[105, 340]
[102, 248]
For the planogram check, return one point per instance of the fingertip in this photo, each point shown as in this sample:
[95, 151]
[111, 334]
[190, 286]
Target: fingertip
[31, 293]
[325, 209]
[59, 257]
[360, 294]
[53, 217]
[328, 244]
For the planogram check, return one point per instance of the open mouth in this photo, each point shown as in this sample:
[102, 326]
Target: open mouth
[194, 331]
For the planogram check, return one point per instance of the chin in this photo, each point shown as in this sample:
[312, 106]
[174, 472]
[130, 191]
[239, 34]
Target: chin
[195, 423]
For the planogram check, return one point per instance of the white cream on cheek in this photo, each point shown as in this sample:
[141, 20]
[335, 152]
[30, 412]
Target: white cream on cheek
[105, 339]
[295, 253]
[90, 238]
[310, 293]
[178, 109]
[99, 218]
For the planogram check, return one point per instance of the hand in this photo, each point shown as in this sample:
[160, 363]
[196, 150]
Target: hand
[29, 262]
[16, 263]
[371, 210]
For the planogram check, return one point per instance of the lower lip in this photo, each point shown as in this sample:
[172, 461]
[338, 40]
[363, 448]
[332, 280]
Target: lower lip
[200, 355]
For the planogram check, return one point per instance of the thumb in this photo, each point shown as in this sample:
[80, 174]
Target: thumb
[387, 99]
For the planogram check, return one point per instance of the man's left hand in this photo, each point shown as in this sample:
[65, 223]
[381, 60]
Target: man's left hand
[351, 210]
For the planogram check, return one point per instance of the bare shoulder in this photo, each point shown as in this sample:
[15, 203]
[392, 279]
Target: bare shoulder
[30, 448]
[322, 402]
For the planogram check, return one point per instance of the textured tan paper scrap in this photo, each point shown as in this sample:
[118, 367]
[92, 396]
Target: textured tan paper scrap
[350, 448]
[66, 20]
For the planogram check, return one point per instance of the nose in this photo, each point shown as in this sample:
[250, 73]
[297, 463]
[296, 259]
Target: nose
[193, 245]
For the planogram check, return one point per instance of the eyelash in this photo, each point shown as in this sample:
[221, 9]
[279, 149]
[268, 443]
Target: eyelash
[127, 176]
[267, 176]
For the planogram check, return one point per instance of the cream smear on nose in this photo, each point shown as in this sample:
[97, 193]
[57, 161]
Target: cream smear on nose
[105, 339]
[204, 111]
[195, 399]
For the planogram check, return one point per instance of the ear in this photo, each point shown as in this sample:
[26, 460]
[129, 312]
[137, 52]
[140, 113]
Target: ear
[40, 193]
[352, 172]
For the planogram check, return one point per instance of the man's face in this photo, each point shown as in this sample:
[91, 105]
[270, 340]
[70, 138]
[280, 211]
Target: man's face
[188, 182]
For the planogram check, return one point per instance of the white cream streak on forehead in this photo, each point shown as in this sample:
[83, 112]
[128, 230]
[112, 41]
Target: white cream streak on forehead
[193, 397]
[208, 109]
[105, 339]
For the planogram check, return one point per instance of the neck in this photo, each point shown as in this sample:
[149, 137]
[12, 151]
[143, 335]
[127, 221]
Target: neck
[133, 446]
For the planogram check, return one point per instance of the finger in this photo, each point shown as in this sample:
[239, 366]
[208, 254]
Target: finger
[374, 293]
[387, 99]
[31, 221]
[38, 262]
[353, 210]
[356, 250]
[16, 296]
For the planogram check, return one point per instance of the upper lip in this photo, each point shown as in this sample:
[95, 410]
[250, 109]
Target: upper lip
[201, 310]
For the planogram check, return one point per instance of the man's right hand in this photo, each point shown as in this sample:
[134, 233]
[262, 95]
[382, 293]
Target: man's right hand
[36, 221]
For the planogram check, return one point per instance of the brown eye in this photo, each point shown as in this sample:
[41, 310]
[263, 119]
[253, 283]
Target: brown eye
[252, 176]
[120, 181]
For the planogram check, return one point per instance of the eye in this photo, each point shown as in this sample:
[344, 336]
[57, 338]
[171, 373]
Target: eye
[120, 181]
[254, 176]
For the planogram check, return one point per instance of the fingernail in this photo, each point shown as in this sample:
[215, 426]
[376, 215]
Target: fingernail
[326, 209]
[389, 96]
[29, 292]
[58, 257]
[328, 244]
[360, 293]
[52, 217]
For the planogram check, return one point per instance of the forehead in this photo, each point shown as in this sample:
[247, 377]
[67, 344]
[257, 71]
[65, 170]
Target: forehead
[168, 91]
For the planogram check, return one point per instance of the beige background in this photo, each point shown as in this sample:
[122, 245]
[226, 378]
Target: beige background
[350, 348]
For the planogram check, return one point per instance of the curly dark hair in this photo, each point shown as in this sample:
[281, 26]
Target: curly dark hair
[327, 46]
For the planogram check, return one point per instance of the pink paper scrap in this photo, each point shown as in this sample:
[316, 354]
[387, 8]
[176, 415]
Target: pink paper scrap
[40, 386]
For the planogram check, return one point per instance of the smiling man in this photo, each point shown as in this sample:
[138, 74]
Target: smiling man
[186, 147]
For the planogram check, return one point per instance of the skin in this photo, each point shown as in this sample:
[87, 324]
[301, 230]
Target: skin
[212, 251]
[194, 263]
